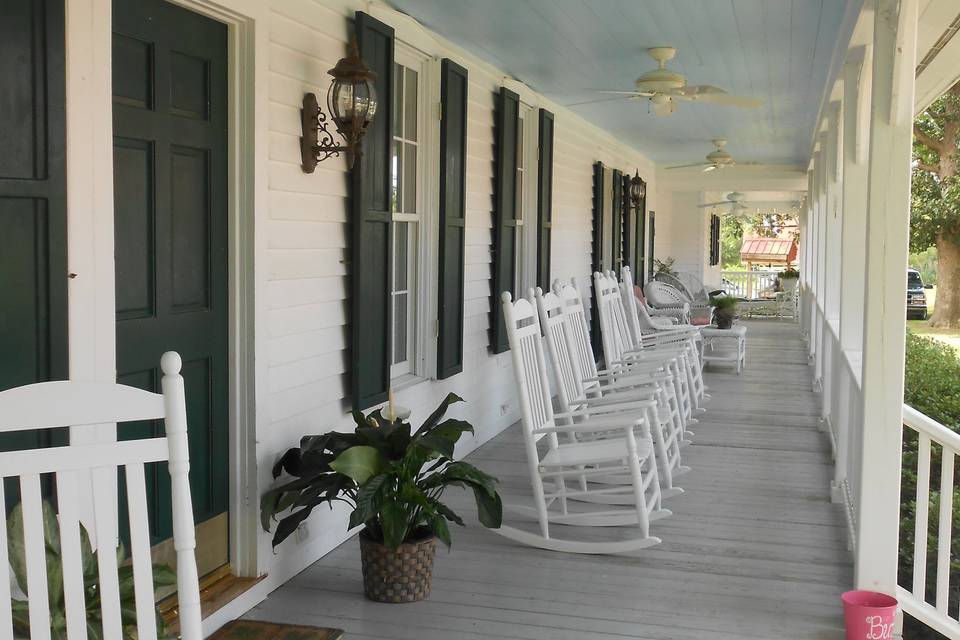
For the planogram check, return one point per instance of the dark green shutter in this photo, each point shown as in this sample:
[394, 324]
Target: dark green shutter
[596, 257]
[453, 176]
[371, 229]
[652, 224]
[616, 232]
[544, 199]
[33, 215]
[505, 213]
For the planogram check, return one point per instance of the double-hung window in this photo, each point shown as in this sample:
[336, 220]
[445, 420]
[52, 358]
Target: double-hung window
[406, 208]
[526, 216]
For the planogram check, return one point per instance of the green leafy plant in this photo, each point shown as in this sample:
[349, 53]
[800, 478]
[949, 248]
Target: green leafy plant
[664, 266]
[930, 386]
[392, 479]
[162, 576]
[724, 310]
[788, 274]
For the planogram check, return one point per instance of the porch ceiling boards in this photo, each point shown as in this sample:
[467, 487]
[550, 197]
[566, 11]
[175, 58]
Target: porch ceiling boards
[776, 50]
[754, 549]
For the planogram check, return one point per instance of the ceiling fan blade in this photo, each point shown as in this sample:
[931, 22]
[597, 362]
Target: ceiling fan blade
[727, 99]
[691, 90]
[577, 104]
[713, 204]
[623, 93]
[711, 167]
[687, 166]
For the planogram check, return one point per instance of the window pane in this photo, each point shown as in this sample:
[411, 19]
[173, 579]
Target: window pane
[396, 166]
[397, 100]
[401, 244]
[410, 178]
[399, 328]
[410, 106]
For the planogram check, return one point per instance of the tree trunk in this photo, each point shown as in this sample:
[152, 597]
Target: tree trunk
[946, 311]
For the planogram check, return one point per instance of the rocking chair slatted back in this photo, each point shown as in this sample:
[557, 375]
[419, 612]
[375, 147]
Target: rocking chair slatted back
[613, 320]
[565, 367]
[575, 327]
[632, 308]
[55, 404]
[530, 368]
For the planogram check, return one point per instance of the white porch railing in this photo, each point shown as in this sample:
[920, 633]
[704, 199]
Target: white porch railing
[938, 609]
[749, 284]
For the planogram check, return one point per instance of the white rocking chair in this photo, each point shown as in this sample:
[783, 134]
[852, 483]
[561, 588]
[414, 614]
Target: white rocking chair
[74, 468]
[646, 396]
[620, 350]
[598, 382]
[577, 460]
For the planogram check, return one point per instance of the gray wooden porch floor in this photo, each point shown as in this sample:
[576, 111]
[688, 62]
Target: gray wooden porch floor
[754, 549]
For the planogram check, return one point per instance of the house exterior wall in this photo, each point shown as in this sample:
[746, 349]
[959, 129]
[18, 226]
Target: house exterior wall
[290, 229]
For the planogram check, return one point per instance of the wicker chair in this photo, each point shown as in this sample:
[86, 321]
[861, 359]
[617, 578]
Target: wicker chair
[662, 295]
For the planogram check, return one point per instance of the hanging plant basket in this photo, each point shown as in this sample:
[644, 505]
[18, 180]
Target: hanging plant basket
[404, 574]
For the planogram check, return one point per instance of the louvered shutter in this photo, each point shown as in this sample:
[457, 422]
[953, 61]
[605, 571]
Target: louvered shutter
[544, 199]
[453, 175]
[596, 259]
[505, 213]
[371, 229]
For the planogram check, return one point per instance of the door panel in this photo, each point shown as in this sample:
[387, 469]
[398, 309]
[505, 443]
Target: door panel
[33, 219]
[170, 154]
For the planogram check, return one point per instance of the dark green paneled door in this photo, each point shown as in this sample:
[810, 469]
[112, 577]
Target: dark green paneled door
[33, 216]
[170, 212]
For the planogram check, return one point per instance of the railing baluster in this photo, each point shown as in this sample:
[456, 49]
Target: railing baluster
[944, 532]
[922, 524]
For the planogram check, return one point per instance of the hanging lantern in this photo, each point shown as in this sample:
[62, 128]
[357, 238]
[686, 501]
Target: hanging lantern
[351, 103]
[638, 190]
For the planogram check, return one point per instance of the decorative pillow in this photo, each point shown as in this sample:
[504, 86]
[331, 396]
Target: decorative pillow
[638, 292]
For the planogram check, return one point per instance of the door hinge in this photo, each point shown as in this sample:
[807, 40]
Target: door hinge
[440, 110]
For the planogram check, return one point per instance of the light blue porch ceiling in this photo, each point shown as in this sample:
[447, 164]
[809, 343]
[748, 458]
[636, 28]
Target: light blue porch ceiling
[776, 50]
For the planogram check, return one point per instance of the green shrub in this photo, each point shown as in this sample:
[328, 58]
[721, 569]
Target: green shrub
[931, 375]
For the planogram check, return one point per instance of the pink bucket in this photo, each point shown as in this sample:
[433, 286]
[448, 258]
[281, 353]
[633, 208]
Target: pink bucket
[869, 615]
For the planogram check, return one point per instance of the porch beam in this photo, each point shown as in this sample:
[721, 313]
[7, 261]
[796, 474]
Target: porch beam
[888, 199]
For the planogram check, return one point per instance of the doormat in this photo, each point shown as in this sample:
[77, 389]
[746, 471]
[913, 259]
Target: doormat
[256, 630]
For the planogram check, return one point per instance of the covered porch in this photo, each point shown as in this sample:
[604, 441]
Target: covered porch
[755, 548]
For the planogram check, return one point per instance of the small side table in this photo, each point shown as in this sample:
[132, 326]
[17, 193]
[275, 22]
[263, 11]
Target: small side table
[725, 345]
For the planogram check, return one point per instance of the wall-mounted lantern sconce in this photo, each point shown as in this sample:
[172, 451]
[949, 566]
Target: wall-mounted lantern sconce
[351, 102]
[638, 189]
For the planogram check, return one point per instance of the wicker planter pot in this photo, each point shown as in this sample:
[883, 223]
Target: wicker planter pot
[403, 575]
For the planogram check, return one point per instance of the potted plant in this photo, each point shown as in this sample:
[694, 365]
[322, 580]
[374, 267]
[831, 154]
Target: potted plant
[393, 480]
[664, 266]
[162, 576]
[724, 311]
[788, 279]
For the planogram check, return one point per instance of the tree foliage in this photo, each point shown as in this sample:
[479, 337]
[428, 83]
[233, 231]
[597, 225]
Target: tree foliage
[935, 188]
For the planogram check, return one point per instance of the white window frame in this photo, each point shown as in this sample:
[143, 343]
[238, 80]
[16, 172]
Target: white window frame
[526, 246]
[421, 361]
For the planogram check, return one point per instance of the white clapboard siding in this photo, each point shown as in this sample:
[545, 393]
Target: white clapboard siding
[305, 305]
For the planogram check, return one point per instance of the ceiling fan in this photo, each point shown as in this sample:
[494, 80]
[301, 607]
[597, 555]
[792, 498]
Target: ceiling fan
[719, 158]
[735, 200]
[663, 88]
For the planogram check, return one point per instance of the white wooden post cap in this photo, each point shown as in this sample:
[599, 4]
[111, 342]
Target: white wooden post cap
[170, 363]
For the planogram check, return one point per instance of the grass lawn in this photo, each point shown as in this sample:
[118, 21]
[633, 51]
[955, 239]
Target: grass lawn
[921, 328]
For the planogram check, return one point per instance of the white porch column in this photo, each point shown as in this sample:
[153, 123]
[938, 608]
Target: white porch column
[821, 164]
[831, 281]
[815, 250]
[888, 198]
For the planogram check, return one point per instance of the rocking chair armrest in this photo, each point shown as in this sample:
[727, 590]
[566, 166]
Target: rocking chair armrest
[593, 424]
[632, 382]
[623, 401]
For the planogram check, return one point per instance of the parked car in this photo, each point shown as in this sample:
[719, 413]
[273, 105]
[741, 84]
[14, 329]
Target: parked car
[916, 298]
